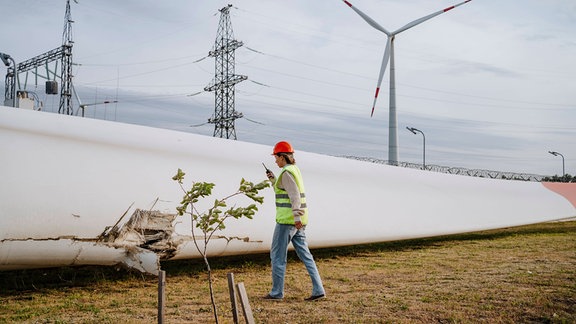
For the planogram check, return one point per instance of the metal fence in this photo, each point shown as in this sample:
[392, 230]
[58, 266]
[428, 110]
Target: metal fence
[461, 171]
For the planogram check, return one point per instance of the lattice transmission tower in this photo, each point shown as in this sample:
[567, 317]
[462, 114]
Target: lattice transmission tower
[225, 78]
[38, 64]
[66, 72]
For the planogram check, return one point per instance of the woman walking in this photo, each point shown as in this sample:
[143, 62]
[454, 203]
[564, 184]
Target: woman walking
[291, 221]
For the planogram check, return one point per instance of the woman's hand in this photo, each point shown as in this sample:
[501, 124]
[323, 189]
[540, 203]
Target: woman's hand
[270, 175]
[298, 224]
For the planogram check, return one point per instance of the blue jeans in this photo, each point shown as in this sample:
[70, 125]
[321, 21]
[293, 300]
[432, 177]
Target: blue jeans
[284, 234]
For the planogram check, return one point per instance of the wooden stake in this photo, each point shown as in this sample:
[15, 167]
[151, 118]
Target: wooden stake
[232, 290]
[161, 296]
[245, 303]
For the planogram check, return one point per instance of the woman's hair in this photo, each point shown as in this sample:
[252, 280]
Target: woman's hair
[288, 157]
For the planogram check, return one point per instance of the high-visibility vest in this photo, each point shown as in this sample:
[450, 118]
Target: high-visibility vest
[284, 213]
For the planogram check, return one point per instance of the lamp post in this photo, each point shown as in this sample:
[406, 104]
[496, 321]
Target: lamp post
[556, 154]
[414, 131]
[5, 58]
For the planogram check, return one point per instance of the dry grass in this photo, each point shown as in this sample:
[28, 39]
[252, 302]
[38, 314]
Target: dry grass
[517, 275]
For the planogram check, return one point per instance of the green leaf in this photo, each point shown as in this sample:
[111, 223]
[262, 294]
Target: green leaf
[179, 176]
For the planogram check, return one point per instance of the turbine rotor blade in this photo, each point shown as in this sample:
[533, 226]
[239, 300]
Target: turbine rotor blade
[423, 19]
[385, 60]
[369, 20]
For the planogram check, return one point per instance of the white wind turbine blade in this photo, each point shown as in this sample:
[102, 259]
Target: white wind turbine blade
[423, 19]
[369, 20]
[385, 60]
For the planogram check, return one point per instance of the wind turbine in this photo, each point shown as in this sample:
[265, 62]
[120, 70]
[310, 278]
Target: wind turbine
[389, 56]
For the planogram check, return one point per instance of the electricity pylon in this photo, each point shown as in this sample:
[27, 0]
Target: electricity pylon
[224, 78]
[62, 53]
[66, 73]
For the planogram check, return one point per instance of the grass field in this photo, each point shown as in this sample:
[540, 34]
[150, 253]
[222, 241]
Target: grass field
[517, 275]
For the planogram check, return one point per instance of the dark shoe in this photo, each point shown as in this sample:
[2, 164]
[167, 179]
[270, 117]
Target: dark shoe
[268, 297]
[311, 298]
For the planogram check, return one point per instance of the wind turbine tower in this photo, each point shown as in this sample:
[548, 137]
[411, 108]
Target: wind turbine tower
[224, 78]
[389, 56]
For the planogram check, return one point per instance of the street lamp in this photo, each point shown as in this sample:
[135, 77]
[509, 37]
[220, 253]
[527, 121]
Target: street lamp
[556, 154]
[414, 131]
[5, 58]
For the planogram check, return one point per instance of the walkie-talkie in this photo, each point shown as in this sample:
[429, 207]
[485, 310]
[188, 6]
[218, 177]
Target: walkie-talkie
[267, 170]
[269, 173]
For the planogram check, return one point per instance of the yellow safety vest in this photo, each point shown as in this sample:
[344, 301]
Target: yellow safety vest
[284, 213]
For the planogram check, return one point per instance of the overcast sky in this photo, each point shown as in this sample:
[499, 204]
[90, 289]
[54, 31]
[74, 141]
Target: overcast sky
[490, 83]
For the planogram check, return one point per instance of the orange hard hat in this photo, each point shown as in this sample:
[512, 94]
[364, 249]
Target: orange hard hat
[282, 147]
